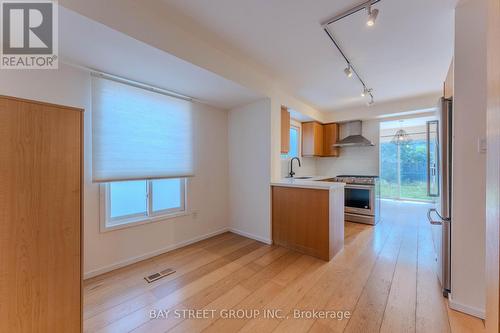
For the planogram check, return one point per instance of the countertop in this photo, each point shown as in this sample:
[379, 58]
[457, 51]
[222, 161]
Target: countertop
[314, 183]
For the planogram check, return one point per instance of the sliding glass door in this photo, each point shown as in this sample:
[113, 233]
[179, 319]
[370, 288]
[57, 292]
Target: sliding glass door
[403, 159]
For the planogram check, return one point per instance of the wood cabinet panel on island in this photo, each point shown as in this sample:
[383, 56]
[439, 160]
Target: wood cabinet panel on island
[308, 219]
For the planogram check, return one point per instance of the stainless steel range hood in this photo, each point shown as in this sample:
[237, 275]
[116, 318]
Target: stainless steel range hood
[351, 133]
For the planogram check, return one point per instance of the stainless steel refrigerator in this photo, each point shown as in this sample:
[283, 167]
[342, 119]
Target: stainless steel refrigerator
[439, 183]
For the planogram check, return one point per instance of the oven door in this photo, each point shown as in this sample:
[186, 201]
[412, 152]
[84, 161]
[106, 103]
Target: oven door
[360, 199]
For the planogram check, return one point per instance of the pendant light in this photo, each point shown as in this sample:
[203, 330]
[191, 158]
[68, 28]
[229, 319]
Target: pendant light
[401, 137]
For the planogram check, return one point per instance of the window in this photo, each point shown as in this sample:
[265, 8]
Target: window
[294, 150]
[135, 202]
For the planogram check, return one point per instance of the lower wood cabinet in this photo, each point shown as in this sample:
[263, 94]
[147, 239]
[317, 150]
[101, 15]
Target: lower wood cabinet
[40, 217]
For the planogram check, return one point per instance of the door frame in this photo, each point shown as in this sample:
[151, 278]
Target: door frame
[493, 170]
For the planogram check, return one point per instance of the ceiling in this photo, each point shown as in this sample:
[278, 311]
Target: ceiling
[90, 44]
[406, 54]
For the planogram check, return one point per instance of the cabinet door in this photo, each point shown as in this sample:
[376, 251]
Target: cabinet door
[312, 139]
[330, 137]
[40, 215]
[285, 130]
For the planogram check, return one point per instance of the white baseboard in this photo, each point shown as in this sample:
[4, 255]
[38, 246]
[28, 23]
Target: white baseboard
[252, 236]
[473, 311]
[123, 263]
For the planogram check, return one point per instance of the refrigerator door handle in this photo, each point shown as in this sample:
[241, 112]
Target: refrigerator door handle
[441, 219]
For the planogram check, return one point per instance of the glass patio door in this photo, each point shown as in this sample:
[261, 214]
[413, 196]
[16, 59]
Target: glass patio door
[403, 163]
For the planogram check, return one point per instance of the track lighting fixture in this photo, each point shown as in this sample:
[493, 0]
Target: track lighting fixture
[365, 92]
[372, 15]
[348, 71]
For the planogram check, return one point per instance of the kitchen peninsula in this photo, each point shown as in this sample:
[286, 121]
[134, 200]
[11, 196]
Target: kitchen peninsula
[308, 216]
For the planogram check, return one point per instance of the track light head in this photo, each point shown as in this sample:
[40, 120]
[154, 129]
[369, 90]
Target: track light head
[365, 92]
[372, 16]
[371, 101]
[348, 72]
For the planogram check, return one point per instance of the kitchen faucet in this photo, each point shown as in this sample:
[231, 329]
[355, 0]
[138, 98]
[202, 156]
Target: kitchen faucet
[291, 174]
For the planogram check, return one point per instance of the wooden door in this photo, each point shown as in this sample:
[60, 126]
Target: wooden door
[40, 217]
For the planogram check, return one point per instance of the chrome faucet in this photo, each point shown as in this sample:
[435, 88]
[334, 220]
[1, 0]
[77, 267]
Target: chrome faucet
[291, 174]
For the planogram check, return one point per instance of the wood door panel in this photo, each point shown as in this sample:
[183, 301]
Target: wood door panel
[40, 205]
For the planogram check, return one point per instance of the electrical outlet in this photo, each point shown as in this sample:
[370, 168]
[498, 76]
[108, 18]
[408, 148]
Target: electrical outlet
[194, 213]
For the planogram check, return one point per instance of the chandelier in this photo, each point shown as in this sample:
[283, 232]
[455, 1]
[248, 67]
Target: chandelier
[401, 138]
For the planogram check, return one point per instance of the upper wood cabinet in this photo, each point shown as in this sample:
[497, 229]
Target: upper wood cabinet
[318, 139]
[330, 137]
[285, 130]
[312, 139]
[449, 83]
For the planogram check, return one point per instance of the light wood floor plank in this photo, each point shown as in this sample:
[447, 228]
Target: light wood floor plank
[384, 276]
[343, 282]
[217, 290]
[399, 315]
[131, 283]
[184, 291]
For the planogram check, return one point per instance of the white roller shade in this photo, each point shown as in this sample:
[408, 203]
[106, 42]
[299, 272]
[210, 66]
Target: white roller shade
[139, 134]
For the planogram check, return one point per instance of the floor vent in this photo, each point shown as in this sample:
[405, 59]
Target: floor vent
[157, 276]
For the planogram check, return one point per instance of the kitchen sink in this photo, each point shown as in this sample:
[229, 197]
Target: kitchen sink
[302, 177]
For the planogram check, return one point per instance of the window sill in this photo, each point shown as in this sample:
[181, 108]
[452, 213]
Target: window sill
[143, 220]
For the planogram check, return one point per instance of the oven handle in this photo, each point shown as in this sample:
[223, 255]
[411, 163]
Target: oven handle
[368, 187]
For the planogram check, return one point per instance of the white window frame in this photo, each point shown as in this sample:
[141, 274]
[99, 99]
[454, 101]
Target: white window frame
[133, 220]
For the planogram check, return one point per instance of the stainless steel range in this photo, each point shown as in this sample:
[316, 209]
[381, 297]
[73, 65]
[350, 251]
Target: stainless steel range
[362, 198]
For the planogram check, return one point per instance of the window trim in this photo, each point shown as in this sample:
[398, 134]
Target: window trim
[133, 220]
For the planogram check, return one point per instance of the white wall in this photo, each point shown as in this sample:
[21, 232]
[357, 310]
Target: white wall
[250, 170]
[469, 166]
[401, 107]
[308, 167]
[207, 191]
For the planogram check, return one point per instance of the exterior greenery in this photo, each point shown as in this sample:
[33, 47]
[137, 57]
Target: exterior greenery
[413, 170]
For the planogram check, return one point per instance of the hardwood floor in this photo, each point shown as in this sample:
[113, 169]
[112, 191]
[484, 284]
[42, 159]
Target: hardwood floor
[384, 278]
